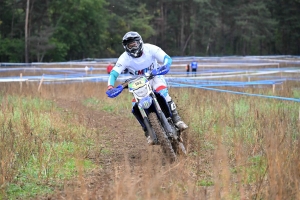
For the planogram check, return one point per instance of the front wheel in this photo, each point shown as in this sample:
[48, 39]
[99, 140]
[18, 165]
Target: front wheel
[179, 147]
[162, 137]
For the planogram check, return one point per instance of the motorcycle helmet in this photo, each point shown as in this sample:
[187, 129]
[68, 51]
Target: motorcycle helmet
[133, 44]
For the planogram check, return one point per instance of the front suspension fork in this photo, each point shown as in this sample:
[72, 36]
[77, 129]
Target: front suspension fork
[162, 117]
[147, 124]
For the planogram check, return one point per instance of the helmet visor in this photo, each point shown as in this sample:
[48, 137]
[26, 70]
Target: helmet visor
[133, 44]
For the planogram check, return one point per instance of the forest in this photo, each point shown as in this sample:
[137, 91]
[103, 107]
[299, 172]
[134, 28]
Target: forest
[63, 30]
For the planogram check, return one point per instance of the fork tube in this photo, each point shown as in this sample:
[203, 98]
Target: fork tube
[147, 124]
[162, 117]
[156, 104]
[142, 111]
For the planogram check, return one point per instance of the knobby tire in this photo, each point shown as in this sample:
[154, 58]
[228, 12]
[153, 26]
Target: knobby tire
[162, 137]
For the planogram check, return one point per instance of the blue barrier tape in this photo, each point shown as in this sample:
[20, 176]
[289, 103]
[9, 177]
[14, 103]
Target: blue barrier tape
[234, 92]
[72, 74]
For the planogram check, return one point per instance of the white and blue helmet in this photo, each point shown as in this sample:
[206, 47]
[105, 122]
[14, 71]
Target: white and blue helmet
[133, 44]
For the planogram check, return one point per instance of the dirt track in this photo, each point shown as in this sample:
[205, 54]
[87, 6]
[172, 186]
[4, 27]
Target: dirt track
[131, 169]
[131, 155]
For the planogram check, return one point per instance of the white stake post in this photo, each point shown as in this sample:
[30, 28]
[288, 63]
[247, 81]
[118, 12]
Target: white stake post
[40, 85]
[21, 82]
[86, 70]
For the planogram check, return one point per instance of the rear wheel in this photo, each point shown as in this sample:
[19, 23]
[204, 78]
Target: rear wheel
[162, 137]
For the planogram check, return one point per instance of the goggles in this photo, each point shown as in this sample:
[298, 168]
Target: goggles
[133, 44]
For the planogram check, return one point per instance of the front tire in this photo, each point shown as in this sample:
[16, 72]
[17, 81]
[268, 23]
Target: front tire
[162, 137]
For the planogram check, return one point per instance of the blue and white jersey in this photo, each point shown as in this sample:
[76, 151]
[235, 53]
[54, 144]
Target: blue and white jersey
[152, 55]
[194, 65]
[148, 61]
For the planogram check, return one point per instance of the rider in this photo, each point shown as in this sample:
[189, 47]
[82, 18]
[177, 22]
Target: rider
[139, 58]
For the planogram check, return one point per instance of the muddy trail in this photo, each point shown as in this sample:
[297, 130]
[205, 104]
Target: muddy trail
[129, 169]
[131, 160]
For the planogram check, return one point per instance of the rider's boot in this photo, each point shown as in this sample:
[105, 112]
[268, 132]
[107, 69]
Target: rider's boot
[149, 140]
[176, 118]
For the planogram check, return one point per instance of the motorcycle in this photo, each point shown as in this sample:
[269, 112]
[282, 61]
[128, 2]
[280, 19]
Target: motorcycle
[152, 111]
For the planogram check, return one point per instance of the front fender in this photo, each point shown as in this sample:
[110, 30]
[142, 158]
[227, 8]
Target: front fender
[146, 102]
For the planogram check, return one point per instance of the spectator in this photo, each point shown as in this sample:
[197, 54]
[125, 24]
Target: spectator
[194, 66]
[86, 69]
[187, 69]
[109, 68]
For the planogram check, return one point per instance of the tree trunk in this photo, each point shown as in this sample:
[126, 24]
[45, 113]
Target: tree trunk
[163, 8]
[26, 32]
[12, 20]
[182, 29]
[186, 42]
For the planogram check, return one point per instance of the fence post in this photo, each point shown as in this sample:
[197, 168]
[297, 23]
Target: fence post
[21, 82]
[40, 85]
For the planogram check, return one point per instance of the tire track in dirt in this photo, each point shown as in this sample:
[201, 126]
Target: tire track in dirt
[130, 156]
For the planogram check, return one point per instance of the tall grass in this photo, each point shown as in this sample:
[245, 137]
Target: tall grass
[41, 145]
[239, 147]
[253, 142]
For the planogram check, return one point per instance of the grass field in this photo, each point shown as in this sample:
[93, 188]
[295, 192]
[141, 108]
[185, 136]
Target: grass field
[69, 141]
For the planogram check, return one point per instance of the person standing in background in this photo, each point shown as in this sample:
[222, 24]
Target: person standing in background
[194, 66]
[187, 69]
[109, 68]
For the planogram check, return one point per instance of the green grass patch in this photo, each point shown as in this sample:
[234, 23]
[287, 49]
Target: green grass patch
[109, 105]
[296, 93]
[41, 147]
[204, 183]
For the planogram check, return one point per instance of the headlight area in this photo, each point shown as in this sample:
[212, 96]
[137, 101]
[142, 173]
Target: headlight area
[145, 102]
[142, 91]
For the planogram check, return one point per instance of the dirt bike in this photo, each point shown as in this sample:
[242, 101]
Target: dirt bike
[152, 111]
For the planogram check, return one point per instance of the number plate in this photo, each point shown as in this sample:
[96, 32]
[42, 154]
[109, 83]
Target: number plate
[137, 83]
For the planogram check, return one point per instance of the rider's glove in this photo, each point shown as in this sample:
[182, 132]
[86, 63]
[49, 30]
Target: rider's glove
[110, 87]
[113, 92]
[160, 71]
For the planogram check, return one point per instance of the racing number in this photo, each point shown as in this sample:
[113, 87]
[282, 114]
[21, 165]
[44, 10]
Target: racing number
[138, 83]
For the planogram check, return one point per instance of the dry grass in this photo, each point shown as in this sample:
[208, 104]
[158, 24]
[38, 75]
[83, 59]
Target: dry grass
[239, 147]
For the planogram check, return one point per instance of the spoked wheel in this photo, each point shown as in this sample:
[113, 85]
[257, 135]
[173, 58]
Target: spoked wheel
[162, 137]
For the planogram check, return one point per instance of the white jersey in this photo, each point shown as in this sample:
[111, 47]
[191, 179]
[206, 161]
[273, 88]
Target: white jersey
[148, 61]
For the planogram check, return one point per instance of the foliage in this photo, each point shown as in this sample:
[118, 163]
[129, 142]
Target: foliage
[71, 30]
[11, 49]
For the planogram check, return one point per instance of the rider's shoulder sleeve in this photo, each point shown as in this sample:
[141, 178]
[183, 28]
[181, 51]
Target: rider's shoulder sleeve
[157, 52]
[120, 65]
[160, 55]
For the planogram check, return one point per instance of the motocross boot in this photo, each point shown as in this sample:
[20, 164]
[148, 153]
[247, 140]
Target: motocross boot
[149, 140]
[176, 118]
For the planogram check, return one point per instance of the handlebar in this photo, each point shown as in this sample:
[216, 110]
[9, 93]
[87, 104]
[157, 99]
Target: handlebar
[126, 82]
[112, 93]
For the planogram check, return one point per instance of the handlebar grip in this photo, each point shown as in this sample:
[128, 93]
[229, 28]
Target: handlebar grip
[125, 84]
